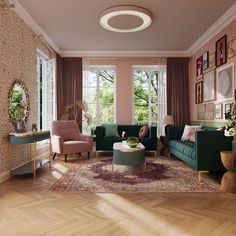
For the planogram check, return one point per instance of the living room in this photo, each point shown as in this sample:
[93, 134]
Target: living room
[141, 71]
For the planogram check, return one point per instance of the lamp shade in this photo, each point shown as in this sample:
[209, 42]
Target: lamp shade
[168, 120]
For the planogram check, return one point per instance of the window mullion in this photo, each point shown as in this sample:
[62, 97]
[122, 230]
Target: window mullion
[98, 98]
[149, 97]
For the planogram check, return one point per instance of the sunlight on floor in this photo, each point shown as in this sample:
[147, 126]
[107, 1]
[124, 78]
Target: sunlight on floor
[59, 170]
[117, 208]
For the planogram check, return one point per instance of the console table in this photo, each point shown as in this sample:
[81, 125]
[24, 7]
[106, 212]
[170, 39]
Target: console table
[30, 138]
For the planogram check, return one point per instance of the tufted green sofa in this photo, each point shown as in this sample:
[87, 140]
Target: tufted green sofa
[106, 143]
[204, 153]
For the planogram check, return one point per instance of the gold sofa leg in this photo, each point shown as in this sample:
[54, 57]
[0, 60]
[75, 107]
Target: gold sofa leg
[200, 172]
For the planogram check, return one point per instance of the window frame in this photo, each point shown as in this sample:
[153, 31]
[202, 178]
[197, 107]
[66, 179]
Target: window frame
[149, 69]
[97, 70]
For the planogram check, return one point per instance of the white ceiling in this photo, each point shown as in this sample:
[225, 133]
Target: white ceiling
[74, 24]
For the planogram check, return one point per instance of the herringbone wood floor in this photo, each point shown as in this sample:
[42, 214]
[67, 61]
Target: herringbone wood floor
[27, 208]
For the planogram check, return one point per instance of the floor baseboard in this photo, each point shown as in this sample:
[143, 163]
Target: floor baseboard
[5, 176]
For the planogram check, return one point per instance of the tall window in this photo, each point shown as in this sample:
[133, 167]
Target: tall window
[46, 91]
[149, 101]
[99, 94]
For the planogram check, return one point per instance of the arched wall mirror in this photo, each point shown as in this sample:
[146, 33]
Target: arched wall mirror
[18, 103]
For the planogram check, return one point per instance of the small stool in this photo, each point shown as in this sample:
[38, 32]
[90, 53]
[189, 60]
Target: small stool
[228, 181]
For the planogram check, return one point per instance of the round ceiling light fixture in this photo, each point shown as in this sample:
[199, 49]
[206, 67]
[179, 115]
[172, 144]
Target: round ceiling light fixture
[125, 19]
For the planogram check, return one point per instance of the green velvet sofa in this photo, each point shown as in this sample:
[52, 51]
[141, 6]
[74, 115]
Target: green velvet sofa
[104, 143]
[203, 154]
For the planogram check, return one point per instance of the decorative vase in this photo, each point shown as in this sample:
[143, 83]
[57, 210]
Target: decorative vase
[20, 126]
[132, 142]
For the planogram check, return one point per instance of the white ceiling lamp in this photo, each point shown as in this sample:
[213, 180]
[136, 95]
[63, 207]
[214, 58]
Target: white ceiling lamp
[125, 19]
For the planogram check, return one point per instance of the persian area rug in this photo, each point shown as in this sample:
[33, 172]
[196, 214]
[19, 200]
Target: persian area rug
[162, 175]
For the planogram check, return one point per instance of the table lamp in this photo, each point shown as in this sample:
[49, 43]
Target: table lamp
[168, 120]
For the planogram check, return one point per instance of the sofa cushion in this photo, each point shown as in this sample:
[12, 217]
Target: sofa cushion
[143, 132]
[185, 147]
[111, 130]
[189, 131]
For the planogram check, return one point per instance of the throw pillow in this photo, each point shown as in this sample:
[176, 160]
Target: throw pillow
[111, 130]
[143, 132]
[189, 131]
[192, 136]
[124, 134]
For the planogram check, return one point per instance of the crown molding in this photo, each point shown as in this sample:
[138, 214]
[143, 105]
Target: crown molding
[124, 53]
[216, 28]
[26, 17]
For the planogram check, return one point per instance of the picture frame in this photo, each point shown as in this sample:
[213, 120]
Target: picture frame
[209, 86]
[221, 51]
[212, 60]
[225, 82]
[199, 67]
[205, 59]
[205, 111]
[199, 92]
[232, 48]
[218, 111]
[227, 107]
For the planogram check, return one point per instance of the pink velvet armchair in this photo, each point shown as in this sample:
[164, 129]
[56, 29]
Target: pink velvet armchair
[67, 139]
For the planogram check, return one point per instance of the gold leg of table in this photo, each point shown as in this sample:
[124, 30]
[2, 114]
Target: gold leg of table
[50, 153]
[10, 158]
[34, 156]
[30, 152]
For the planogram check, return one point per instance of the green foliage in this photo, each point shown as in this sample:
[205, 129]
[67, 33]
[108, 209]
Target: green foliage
[141, 96]
[15, 100]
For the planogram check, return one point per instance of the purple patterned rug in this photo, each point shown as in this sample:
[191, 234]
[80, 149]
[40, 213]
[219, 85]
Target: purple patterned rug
[162, 175]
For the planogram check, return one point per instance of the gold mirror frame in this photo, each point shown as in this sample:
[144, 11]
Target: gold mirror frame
[18, 108]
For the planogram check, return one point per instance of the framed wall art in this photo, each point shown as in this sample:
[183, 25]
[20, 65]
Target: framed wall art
[212, 60]
[205, 111]
[199, 67]
[209, 86]
[227, 107]
[199, 92]
[232, 48]
[225, 82]
[205, 59]
[221, 51]
[218, 111]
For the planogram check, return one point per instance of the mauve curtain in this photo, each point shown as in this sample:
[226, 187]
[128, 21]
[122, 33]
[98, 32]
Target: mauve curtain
[178, 90]
[59, 82]
[69, 81]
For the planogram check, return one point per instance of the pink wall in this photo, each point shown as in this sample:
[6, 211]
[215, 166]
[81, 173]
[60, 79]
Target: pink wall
[230, 30]
[124, 83]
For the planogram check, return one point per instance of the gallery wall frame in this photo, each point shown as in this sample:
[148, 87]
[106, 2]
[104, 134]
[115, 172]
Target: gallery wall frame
[209, 86]
[221, 51]
[232, 48]
[205, 111]
[227, 107]
[199, 92]
[218, 111]
[205, 59]
[199, 67]
[225, 82]
[212, 60]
